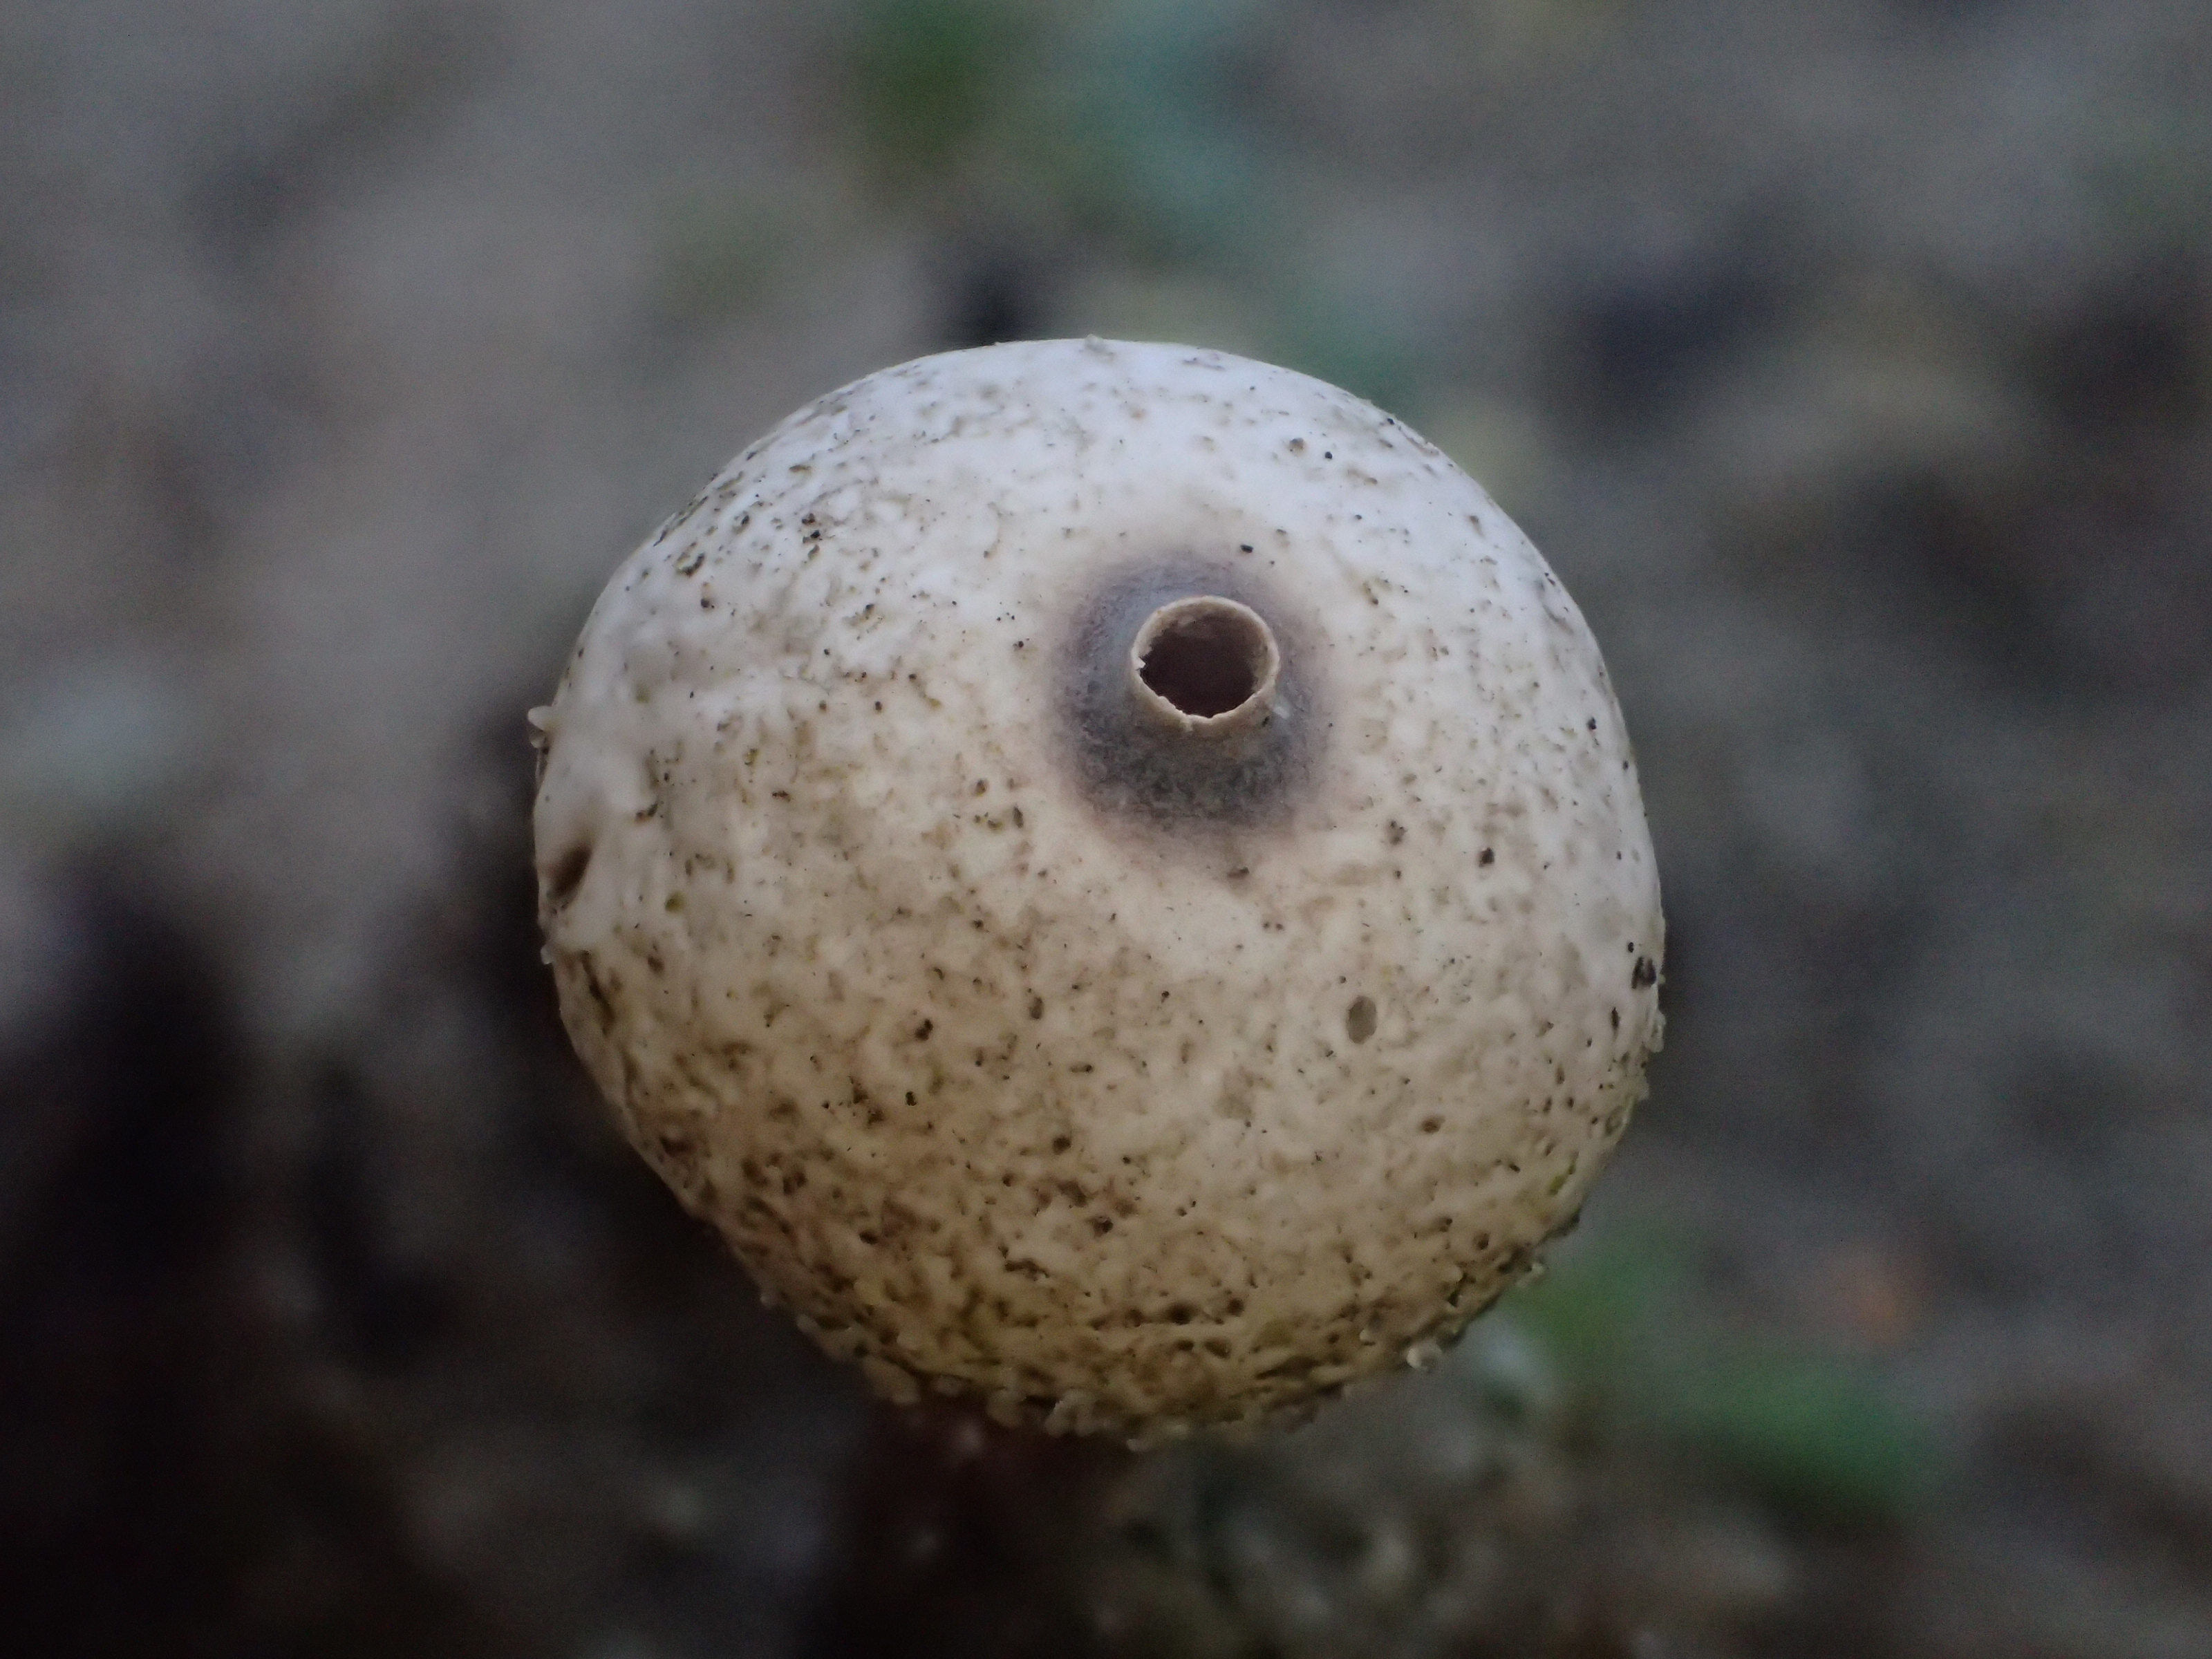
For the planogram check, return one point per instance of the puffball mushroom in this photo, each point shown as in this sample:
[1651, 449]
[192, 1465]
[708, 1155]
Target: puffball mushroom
[1112, 874]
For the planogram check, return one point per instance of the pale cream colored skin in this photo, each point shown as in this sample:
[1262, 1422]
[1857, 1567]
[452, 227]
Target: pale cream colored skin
[1112, 1116]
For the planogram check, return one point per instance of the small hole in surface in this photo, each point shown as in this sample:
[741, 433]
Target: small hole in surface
[1359, 1019]
[1206, 659]
[567, 874]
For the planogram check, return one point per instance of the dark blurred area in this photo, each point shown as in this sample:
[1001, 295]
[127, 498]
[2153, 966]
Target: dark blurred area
[1851, 363]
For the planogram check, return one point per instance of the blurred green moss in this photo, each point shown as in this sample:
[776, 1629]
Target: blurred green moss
[1144, 143]
[1107, 121]
[1119, 135]
[931, 77]
[1595, 1310]
[1353, 342]
[1821, 1437]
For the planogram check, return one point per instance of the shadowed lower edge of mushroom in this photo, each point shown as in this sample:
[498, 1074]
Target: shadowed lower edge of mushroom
[1282, 1400]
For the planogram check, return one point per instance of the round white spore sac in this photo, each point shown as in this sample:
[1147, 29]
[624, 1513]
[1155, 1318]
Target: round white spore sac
[1113, 874]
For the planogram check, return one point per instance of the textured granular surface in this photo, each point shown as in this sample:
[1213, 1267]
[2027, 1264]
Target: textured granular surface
[1119, 1077]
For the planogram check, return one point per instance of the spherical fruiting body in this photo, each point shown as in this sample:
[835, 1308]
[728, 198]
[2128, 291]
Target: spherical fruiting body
[1114, 876]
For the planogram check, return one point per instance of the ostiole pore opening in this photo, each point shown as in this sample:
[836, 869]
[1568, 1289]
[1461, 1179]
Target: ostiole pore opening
[1206, 665]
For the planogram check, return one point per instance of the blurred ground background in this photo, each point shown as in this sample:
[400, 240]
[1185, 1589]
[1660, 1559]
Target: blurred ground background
[1852, 364]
